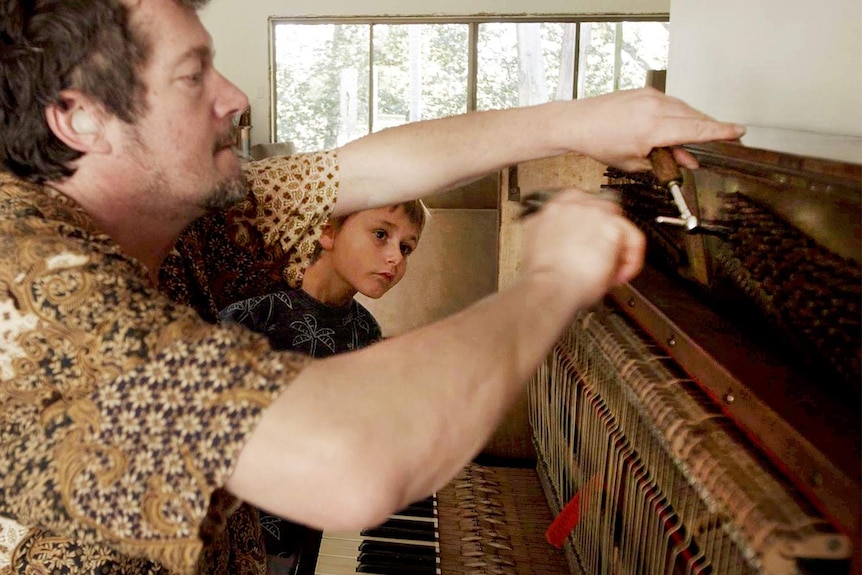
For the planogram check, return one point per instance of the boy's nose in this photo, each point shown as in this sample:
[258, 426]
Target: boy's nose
[394, 255]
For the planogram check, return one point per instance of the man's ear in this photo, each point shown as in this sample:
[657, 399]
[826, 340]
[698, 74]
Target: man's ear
[78, 123]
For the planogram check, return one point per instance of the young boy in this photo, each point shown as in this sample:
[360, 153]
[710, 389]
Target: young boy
[364, 252]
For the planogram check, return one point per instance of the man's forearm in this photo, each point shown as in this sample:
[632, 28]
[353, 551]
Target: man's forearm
[401, 417]
[418, 159]
[618, 129]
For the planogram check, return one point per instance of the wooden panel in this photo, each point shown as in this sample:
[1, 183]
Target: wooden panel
[512, 438]
[481, 194]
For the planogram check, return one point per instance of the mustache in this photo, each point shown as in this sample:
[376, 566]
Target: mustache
[227, 140]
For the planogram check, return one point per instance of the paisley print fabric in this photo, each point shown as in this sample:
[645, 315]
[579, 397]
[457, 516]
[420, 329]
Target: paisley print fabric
[123, 408]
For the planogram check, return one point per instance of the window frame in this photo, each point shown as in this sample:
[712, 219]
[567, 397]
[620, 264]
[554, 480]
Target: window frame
[472, 44]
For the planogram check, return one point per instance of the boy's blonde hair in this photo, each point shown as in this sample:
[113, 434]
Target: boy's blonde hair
[416, 212]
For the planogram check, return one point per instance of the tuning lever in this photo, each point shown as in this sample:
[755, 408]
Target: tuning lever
[669, 175]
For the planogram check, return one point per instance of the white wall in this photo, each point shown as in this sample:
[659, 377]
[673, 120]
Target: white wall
[790, 70]
[240, 30]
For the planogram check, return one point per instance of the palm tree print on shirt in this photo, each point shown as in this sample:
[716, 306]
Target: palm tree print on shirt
[309, 333]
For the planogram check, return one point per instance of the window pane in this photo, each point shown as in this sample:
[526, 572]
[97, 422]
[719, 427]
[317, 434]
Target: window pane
[617, 55]
[521, 64]
[321, 84]
[420, 72]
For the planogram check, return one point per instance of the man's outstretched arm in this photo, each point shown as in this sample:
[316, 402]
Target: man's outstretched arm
[421, 158]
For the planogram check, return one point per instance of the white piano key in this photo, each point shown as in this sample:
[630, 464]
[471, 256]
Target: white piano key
[339, 550]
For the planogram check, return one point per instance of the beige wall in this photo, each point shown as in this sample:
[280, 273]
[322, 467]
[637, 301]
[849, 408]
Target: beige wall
[790, 70]
[240, 30]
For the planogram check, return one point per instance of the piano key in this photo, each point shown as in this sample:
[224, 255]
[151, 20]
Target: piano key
[416, 510]
[404, 544]
[335, 565]
[422, 560]
[421, 552]
[340, 555]
[391, 569]
[402, 529]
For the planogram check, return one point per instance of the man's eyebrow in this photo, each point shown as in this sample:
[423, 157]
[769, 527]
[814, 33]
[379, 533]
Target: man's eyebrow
[203, 53]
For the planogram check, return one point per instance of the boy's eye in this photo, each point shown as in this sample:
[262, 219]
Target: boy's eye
[380, 234]
[406, 250]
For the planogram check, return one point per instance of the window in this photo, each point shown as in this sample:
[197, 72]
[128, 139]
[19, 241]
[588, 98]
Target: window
[336, 80]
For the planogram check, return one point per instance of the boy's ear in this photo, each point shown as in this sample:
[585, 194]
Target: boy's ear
[77, 123]
[327, 237]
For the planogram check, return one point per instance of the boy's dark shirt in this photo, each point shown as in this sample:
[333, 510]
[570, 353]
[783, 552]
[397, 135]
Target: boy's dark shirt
[296, 321]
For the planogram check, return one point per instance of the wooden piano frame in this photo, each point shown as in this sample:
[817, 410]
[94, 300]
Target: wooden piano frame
[811, 437]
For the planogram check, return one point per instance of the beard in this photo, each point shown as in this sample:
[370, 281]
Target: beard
[229, 191]
[225, 194]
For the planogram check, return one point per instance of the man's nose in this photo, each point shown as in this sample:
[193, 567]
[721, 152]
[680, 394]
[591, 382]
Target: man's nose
[232, 101]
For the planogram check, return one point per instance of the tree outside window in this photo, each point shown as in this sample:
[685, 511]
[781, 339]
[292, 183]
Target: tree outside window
[339, 80]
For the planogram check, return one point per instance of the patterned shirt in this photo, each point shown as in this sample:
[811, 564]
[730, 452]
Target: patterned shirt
[123, 408]
[296, 321]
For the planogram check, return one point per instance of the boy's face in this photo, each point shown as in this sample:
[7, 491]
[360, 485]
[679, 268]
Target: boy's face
[369, 249]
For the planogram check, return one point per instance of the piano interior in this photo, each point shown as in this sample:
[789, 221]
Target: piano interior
[706, 417]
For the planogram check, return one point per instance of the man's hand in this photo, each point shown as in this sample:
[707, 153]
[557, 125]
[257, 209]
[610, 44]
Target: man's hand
[621, 128]
[584, 243]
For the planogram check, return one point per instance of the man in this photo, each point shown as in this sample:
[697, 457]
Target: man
[131, 425]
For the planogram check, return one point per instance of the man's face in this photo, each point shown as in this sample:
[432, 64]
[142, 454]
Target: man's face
[371, 247]
[182, 145]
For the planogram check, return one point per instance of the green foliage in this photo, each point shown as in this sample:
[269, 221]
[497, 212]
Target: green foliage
[323, 71]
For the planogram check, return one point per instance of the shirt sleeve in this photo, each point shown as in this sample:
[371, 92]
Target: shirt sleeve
[261, 245]
[123, 412]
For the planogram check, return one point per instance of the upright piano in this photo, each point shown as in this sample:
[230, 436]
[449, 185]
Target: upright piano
[704, 418]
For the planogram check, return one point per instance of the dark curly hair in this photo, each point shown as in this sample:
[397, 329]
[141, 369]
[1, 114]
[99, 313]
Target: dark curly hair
[47, 46]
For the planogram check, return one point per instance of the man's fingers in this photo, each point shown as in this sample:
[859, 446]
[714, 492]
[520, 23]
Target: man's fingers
[684, 158]
[688, 130]
[608, 200]
[694, 131]
[631, 253]
[614, 228]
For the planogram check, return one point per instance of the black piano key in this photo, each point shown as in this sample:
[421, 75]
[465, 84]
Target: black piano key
[399, 556]
[420, 553]
[427, 502]
[417, 510]
[403, 529]
[401, 561]
[393, 569]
